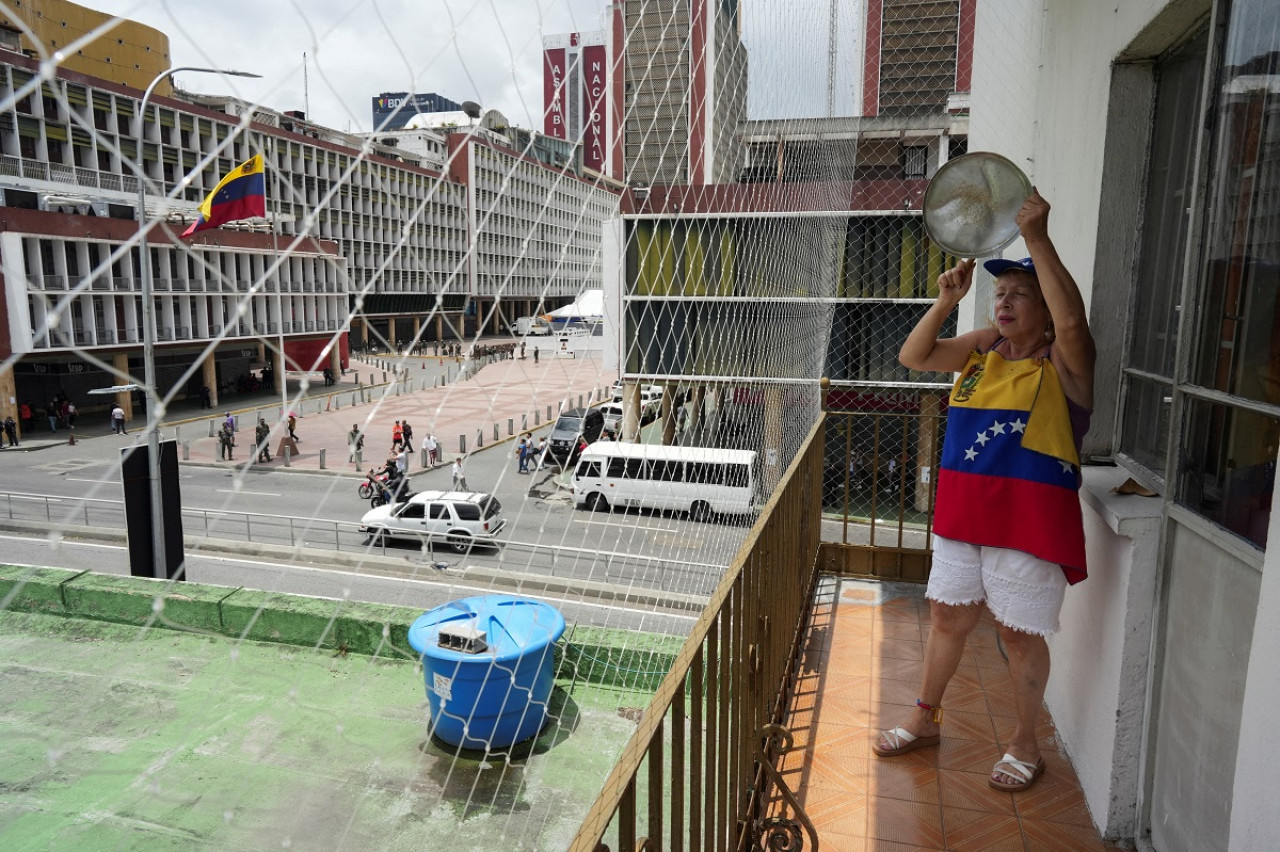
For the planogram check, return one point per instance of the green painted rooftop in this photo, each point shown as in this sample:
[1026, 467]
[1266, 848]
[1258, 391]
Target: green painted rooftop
[138, 714]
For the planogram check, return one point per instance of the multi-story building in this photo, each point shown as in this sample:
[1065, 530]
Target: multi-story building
[128, 52]
[379, 234]
[392, 110]
[658, 97]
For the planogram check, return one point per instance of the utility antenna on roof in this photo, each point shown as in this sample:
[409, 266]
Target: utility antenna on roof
[306, 92]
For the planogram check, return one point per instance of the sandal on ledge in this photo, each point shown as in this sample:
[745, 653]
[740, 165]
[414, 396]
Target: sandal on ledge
[1025, 772]
[902, 741]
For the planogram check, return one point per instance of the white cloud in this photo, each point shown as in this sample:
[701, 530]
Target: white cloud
[489, 51]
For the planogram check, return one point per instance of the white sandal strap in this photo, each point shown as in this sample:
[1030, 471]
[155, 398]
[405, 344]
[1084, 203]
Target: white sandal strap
[1020, 767]
[898, 737]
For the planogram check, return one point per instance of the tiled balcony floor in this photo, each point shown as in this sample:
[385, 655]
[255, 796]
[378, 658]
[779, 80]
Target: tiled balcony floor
[860, 674]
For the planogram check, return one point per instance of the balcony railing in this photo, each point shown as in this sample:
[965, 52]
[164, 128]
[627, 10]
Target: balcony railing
[695, 772]
[37, 170]
[879, 478]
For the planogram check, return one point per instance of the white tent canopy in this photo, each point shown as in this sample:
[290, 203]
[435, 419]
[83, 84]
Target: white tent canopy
[588, 306]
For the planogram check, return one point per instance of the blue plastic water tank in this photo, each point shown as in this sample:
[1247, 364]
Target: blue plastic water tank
[496, 696]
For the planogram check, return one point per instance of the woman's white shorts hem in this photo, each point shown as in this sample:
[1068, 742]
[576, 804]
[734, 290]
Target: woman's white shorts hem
[1021, 591]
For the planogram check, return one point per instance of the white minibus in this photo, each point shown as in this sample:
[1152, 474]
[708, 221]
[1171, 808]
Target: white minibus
[702, 480]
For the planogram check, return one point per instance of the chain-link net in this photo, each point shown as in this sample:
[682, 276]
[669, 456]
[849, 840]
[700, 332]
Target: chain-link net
[432, 297]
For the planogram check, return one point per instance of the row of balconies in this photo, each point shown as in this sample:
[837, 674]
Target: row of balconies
[46, 283]
[112, 337]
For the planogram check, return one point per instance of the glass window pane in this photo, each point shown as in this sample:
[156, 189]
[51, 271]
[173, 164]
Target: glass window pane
[1164, 234]
[1146, 423]
[1238, 349]
[1228, 467]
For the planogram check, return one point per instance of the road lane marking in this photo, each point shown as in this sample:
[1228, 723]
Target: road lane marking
[250, 493]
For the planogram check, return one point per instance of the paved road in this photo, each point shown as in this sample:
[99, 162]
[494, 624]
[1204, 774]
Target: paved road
[303, 505]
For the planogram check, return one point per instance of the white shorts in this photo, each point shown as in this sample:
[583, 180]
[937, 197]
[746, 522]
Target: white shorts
[1022, 592]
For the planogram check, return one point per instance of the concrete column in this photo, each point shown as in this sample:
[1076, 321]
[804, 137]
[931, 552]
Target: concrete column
[417, 329]
[9, 396]
[335, 360]
[364, 332]
[209, 375]
[771, 470]
[668, 422]
[439, 327]
[120, 361]
[279, 368]
[391, 333]
[926, 444]
[696, 403]
[630, 412]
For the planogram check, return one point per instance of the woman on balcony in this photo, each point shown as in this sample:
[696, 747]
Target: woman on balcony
[1008, 527]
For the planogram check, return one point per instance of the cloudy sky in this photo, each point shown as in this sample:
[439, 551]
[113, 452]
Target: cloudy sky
[489, 51]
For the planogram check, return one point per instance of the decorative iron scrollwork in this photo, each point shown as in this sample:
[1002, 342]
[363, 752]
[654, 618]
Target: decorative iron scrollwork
[781, 833]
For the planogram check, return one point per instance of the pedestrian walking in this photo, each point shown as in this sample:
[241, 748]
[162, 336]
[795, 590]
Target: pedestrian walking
[406, 432]
[51, 412]
[70, 413]
[11, 431]
[402, 463]
[433, 450]
[542, 452]
[229, 423]
[293, 422]
[355, 441]
[117, 420]
[397, 436]
[523, 451]
[459, 476]
[206, 397]
[226, 442]
[26, 416]
[262, 437]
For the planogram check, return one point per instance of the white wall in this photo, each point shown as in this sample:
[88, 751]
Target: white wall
[1255, 819]
[1100, 658]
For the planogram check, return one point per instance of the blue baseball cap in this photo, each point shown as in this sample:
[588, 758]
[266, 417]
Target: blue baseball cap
[1000, 265]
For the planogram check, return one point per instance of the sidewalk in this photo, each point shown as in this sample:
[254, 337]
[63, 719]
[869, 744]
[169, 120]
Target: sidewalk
[512, 396]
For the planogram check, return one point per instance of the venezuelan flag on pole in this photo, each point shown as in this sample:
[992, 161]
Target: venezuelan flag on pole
[241, 195]
[1009, 473]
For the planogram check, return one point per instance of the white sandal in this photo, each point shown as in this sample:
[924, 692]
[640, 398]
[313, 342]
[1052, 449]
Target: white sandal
[1024, 770]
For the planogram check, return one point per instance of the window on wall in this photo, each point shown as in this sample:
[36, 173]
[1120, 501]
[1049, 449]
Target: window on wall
[1231, 420]
[1209, 382]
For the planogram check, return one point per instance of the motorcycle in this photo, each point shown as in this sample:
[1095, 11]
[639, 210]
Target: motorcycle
[390, 490]
[366, 489]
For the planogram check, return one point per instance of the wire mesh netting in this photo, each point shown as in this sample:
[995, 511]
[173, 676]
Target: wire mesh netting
[580, 329]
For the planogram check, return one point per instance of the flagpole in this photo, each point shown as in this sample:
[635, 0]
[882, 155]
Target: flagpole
[275, 258]
[151, 393]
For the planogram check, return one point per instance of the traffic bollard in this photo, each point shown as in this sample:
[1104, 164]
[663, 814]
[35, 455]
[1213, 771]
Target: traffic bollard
[359, 459]
[322, 452]
[186, 451]
[511, 426]
[211, 432]
[425, 460]
[286, 457]
[462, 445]
[495, 433]
[479, 438]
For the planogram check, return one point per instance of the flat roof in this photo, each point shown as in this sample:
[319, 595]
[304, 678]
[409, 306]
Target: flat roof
[140, 736]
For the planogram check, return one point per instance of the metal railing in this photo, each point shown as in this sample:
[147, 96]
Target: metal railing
[39, 170]
[879, 479]
[550, 560]
[696, 772]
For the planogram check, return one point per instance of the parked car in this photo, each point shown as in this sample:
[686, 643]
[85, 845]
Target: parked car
[571, 429]
[459, 518]
[612, 412]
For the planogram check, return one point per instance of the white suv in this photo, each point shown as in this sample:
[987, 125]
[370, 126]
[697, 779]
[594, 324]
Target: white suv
[459, 518]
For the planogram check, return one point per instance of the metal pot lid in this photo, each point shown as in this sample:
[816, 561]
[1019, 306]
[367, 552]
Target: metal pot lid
[970, 205]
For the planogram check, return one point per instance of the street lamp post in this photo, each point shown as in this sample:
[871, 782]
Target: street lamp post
[150, 395]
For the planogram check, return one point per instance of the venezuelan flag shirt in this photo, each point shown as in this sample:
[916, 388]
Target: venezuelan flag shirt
[1010, 467]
